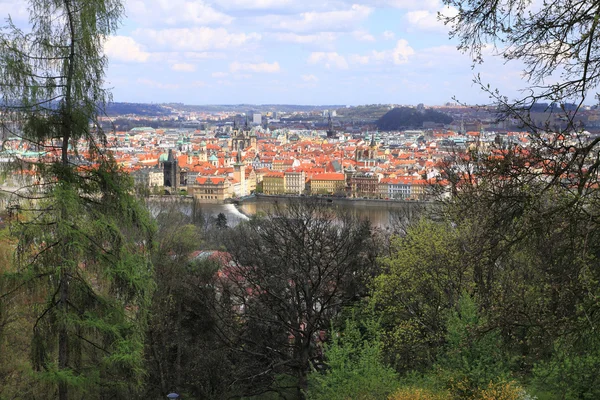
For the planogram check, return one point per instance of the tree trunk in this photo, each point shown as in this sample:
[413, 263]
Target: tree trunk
[178, 343]
[303, 368]
[63, 335]
[159, 363]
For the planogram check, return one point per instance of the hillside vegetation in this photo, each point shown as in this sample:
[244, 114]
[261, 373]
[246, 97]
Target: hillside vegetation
[410, 118]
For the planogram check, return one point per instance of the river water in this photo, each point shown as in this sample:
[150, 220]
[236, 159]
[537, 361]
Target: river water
[381, 214]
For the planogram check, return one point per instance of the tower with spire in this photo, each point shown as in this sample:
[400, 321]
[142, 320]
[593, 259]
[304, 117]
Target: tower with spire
[330, 132]
[239, 173]
[242, 138]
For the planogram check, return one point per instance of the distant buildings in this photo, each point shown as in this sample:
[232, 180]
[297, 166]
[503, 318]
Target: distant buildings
[229, 160]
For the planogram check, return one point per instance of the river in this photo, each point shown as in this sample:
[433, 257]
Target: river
[382, 214]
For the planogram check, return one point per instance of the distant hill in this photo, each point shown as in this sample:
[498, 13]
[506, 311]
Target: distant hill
[366, 112]
[552, 107]
[410, 118]
[156, 110]
[137, 109]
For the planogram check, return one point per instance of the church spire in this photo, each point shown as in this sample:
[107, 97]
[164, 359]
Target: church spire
[330, 131]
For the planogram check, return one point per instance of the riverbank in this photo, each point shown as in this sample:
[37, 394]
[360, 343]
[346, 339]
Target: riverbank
[264, 198]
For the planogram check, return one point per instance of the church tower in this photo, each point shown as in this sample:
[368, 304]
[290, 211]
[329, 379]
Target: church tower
[171, 171]
[239, 173]
[330, 131]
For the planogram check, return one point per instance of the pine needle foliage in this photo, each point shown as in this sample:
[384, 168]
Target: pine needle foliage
[83, 241]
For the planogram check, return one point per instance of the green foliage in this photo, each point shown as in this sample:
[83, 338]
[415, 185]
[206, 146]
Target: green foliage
[573, 369]
[221, 221]
[405, 117]
[184, 350]
[354, 368]
[421, 281]
[102, 247]
[473, 356]
[81, 274]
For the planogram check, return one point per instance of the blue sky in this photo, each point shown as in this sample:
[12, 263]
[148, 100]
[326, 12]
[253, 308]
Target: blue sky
[292, 52]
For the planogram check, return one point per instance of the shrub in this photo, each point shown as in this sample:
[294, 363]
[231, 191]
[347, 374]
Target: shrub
[354, 369]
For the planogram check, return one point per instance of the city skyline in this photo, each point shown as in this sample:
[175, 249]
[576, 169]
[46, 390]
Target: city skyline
[282, 52]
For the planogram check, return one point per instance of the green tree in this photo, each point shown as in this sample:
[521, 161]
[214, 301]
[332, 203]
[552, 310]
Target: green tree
[473, 355]
[353, 366]
[183, 351]
[572, 370]
[421, 281]
[221, 221]
[83, 240]
[535, 210]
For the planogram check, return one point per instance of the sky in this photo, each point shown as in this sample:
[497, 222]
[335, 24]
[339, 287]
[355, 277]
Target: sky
[291, 52]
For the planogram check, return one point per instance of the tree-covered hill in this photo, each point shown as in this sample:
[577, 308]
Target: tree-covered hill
[137, 109]
[405, 117]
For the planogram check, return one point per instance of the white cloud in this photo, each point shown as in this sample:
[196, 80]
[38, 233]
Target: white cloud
[158, 85]
[319, 39]
[254, 67]
[16, 9]
[330, 59]
[398, 55]
[310, 78]
[388, 35]
[175, 12]
[241, 77]
[380, 55]
[183, 67]
[255, 4]
[358, 59]
[198, 84]
[426, 20]
[402, 52]
[219, 74]
[414, 4]
[202, 55]
[313, 21]
[124, 49]
[363, 36]
[196, 39]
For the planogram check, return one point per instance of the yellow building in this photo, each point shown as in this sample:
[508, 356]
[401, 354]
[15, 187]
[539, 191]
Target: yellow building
[274, 183]
[250, 181]
[210, 189]
[418, 188]
[328, 183]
